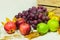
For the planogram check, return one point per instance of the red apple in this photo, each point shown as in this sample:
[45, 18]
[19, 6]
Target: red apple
[24, 28]
[19, 21]
[10, 27]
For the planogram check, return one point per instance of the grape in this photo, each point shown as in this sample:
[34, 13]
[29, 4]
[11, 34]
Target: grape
[39, 10]
[23, 11]
[34, 8]
[40, 15]
[23, 14]
[34, 15]
[43, 18]
[33, 11]
[44, 9]
[34, 26]
[28, 16]
[26, 13]
[40, 7]
[37, 14]
[19, 14]
[35, 21]
[24, 17]
[16, 16]
[31, 18]
[36, 18]
[31, 22]
[47, 18]
[39, 20]
[27, 21]
[29, 10]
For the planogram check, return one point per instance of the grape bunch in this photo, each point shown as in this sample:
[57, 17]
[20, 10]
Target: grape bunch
[34, 15]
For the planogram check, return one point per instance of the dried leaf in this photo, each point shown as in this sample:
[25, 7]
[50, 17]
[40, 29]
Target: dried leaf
[16, 35]
[32, 35]
[6, 38]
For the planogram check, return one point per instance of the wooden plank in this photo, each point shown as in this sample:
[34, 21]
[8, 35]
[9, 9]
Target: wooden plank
[50, 5]
[49, 2]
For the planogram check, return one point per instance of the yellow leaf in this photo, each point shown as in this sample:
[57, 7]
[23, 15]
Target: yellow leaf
[7, 19]
[14, 19]
[3, 23]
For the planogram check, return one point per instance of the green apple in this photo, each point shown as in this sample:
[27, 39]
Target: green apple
[53, 25]
[42, 28]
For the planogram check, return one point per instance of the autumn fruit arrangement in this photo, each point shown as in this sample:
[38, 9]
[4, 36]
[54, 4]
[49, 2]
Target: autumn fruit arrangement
[38, 18]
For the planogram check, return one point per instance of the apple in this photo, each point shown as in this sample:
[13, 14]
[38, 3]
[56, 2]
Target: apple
[42, 28]
[24, 28]
[19, 21]
[10, 27]
[53, 24]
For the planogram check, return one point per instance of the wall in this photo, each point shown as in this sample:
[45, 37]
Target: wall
[8, 8]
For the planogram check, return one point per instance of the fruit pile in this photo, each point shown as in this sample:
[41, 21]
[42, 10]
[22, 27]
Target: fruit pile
[37, 18]
[34, 15]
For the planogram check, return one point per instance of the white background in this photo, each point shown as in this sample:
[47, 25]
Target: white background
[8, 8]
